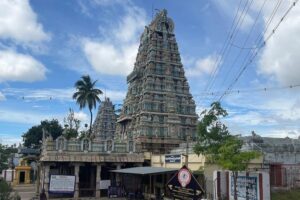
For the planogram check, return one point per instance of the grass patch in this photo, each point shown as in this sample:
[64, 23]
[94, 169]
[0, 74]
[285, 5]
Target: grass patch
[286, 195]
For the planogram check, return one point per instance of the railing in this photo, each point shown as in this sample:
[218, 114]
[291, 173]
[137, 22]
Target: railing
[109, 146]
[98, 148]
[120, 148]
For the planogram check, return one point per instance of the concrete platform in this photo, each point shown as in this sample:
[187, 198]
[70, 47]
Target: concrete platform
[26, 192]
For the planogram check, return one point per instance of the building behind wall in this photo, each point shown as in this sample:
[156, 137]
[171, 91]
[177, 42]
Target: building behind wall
[281, 158]
[159, 110]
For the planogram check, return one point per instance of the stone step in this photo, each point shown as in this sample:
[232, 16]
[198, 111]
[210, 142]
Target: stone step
[25, 188]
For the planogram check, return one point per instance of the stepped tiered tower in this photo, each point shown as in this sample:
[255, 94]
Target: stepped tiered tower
[104, 126]
[159, 110]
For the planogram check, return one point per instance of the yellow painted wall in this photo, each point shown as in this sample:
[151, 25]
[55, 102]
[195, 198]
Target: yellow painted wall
[195, 162]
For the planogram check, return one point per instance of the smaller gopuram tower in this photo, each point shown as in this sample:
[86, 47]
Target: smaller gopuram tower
[104, 126]
[159, 110]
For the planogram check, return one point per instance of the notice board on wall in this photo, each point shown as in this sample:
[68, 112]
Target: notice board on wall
[62, 184]
[246, 187]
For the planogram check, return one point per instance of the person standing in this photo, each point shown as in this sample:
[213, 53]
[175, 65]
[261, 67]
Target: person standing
[43, 195]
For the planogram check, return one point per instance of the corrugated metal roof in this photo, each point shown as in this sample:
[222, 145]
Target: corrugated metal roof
[145, 170]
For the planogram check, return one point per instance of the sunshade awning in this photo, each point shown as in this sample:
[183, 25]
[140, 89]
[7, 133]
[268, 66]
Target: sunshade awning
[145, 170]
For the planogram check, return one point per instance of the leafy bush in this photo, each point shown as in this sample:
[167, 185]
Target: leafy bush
[6, 192]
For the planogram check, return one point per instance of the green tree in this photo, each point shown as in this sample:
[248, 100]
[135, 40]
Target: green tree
[6, 192]
[87, 95]
[6, 153]
[211, 132]
[34, 135]
[219, 147]
[72, 125]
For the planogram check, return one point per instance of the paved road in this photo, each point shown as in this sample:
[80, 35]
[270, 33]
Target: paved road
[26, 192]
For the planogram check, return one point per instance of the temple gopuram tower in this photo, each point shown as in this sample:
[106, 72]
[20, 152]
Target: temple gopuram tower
[158, 111]
[104, 126]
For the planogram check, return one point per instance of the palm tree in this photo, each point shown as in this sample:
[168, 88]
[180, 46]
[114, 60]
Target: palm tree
[87, 95]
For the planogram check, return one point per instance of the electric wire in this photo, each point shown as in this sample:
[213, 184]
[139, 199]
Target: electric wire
[256, 53]
[244, 44]
[228, 48]
[251, 90]
[258, 39]
[232, 37]
[224, 46]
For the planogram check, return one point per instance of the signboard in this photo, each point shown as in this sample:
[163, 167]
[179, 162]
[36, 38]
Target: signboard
[246, 187]
[183, 185]
[62, 184]
[8, 175]
[104, 184]
[172, 158]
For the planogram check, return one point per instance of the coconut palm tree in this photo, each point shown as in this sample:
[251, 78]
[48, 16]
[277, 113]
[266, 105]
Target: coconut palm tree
[87, 95]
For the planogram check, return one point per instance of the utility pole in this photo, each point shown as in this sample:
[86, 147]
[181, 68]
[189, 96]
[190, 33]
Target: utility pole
[187, 150]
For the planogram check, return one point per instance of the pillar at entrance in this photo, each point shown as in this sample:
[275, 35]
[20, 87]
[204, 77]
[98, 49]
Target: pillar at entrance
[76, 169]
[118, 178]
[47, 180]
[98, 178]
[38, 179]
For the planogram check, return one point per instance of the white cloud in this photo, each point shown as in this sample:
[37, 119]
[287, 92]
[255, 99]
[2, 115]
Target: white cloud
[282, 133]
[202, 66]
[251, 118]
[106, 2]
[7, 139]
[115, 50]
[131, 25]
[2, 97]
[20, 67]
[272, 113]
[115, 95]
[19, 22]
[286, 109]
[83, 117]
[25, 117]
[106, 58]
[280, 58]
[246, 21]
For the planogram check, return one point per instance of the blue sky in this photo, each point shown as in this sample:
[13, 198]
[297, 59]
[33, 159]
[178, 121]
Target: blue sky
[45, 46]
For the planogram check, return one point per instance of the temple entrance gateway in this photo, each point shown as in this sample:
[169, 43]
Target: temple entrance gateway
[158, 103]
[87, 184]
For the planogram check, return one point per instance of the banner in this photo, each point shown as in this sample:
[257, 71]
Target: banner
[62, 184]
